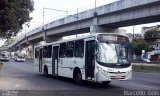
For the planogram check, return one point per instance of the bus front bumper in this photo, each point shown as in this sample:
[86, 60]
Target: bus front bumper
[18, 59]
[109, 76]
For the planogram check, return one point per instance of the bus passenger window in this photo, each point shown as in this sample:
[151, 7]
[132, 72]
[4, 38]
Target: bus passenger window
[79, 48]
[70, 49]
[36, 52]
[45, 51]
[49, 51]
[62, 51]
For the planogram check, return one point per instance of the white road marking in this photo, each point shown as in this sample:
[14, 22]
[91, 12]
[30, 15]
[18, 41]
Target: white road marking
[142, 85]
[147, 73]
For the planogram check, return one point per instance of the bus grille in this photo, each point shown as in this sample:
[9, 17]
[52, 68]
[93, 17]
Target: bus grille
[114, 77]
[117, 72]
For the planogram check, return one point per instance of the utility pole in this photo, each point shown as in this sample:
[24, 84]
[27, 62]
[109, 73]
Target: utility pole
[133, 32]
[95, 8]
[43, 27]
[77, 23]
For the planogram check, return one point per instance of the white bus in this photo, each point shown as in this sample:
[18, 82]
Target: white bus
[19, 56]
[99, 57]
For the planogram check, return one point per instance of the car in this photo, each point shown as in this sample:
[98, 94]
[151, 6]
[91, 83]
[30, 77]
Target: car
[4, 56]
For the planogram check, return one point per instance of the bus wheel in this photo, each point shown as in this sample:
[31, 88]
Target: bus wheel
[78, 77]
[106, 82]
[45, 72]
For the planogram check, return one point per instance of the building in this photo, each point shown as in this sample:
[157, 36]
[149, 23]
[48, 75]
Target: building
[156, 44]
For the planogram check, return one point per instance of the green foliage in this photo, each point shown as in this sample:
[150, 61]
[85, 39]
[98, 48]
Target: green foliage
[13, 16]
[8, 42]
[152, 35]
[3, 4]
[138, 45]
[149, 69]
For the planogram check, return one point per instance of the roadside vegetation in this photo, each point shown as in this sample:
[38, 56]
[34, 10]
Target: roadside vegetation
[147, 69]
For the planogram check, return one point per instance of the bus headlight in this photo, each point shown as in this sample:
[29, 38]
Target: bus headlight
[129, 72]
[100, 70]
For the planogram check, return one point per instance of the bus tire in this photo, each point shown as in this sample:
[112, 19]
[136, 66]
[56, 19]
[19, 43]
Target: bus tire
[45, 72]
[77, 76]
[106, 82]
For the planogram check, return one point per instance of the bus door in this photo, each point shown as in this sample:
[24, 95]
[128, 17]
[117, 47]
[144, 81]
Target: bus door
[40, 59]
[90, 59]
[55, 60]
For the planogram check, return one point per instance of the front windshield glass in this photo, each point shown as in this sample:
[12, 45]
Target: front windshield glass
[112, 49]
[107, 53]
[112, 53]
[21, 55]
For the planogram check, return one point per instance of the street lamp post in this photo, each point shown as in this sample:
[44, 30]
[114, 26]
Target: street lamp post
[45, 34]
[95, 8]
[133, 32]
[26, 25]
[77, 23]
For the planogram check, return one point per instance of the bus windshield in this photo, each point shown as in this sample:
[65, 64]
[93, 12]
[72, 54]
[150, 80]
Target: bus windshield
[21, 55]
[112, 52]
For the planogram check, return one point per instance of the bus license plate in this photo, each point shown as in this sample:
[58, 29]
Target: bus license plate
[118, 76]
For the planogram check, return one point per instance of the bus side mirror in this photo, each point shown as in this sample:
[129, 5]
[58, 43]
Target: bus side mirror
[96, 48]
[96, 52]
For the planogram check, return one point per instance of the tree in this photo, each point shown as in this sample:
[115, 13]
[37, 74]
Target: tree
[13, 16]
[8, 42]
[138, 45]
[3, 4]
[152, 35]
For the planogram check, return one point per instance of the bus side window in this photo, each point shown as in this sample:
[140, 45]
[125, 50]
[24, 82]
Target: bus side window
[45, 51]
[62, 51]
[79, 48]
[36, 52]
[70, 49]
[49, 51]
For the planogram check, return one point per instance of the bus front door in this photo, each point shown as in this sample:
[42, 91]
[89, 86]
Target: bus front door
[40, 60]
[55, 60]
[90, 59]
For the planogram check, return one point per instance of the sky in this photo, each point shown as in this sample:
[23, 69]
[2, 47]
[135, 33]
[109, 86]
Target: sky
[70, 6]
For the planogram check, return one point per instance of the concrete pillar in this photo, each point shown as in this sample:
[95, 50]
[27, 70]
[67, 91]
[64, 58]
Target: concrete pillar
[44, 34]
[32, 51]
[19, 47]
[95, 21]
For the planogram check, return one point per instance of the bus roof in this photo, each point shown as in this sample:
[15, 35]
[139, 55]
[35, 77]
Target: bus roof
[76, 38]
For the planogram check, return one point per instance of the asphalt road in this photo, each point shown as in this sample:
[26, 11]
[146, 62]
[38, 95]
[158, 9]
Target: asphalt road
[21, 76]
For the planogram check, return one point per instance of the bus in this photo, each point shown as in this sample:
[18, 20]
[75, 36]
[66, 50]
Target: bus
[19, 56]
[99, 57]
[4, 56]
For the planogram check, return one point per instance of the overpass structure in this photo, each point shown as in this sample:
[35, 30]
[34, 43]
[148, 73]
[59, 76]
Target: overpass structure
[101, 19]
